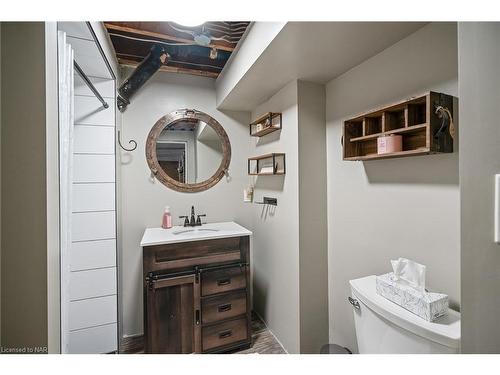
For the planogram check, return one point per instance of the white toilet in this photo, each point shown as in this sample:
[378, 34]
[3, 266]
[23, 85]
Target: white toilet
[384, 327]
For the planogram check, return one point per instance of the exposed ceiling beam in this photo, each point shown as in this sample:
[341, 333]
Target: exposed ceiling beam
[171, 69]
[193, 62]
[153, 34]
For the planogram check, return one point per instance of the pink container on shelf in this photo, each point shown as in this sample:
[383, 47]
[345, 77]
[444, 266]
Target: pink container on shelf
[389, 144]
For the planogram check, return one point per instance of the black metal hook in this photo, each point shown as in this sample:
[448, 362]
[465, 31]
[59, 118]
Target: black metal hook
[134, 143]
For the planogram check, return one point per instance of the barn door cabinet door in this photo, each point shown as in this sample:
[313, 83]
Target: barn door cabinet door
[173, 315]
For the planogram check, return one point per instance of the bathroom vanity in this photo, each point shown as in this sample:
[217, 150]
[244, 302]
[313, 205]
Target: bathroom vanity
[196, 288]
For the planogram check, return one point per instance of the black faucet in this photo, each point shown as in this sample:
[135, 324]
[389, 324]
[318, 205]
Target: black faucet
[192, 222]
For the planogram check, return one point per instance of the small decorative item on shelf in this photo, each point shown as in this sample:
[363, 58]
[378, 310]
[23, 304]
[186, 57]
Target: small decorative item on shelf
[269, 164]
[420, 125]
[265, 124]
[389, 144]
[248, 194]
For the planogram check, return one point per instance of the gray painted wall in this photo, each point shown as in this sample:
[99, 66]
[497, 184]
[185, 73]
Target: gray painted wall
[143, 201]
[275, 245]
[479, 88]
[313, 227]
[290, 241]
[385, 209]
[276, 231]
[24, 299]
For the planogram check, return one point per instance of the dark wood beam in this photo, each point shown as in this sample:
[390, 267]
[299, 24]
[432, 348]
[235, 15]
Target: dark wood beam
[111, 26]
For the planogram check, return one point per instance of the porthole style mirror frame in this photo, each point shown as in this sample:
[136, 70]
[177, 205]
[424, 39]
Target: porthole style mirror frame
[194, 116]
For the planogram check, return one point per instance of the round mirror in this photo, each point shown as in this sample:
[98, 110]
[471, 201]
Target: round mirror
[188, 150]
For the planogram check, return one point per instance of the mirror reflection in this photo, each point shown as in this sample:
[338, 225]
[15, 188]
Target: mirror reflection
[189, 150]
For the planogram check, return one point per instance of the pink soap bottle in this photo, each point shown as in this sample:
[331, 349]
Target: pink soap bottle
[167, 219]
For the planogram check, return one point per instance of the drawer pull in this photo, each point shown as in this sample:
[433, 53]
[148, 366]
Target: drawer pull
[225, 334]
[223, 282]
[225, 307]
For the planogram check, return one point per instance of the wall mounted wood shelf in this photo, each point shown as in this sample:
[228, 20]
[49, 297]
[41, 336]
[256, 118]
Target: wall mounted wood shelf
[265, 165]
[265, 124]
[423, 130]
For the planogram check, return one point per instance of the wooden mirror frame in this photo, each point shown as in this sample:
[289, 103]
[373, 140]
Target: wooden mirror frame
[159, 173]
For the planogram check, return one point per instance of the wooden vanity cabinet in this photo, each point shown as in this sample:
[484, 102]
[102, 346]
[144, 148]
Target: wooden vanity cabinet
[172, 304]
[197, 296]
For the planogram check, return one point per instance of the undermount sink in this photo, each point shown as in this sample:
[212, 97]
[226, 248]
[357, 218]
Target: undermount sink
[195, 230]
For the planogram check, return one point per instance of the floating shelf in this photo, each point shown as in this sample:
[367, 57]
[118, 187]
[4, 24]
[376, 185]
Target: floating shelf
[423, 151]
[265, 124]
[414, 128]
[415, 119]
[267, 165]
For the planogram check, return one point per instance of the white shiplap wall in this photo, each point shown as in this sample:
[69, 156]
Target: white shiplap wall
[92, 280]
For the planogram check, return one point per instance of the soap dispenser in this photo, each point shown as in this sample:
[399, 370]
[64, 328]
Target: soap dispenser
[167, 219]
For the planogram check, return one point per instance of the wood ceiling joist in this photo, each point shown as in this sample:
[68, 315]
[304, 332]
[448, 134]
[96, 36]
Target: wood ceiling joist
[111, 26]
[228, 32]
[171, 69]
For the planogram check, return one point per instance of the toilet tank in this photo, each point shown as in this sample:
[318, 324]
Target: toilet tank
[384, 327]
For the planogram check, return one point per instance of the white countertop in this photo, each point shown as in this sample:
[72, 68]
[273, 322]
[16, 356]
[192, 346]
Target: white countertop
[177, 234]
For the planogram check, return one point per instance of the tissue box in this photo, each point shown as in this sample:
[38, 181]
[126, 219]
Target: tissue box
[428, 306]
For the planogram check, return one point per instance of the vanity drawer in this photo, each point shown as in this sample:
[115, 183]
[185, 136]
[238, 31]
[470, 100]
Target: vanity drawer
[224, 333]
[214, 309]
[190, 254]
[223, 280]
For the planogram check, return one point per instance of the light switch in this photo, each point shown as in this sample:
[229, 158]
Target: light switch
[497, 208]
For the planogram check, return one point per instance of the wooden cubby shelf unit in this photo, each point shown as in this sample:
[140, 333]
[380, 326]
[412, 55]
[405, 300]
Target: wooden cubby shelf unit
[267, 165]
[414, 119]
[265, 124]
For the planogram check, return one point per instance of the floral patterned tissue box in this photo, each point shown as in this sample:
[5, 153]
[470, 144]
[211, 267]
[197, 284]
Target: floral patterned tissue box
[427, 305]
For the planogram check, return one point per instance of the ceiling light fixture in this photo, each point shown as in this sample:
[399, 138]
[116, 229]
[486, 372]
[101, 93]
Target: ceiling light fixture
[203, 38]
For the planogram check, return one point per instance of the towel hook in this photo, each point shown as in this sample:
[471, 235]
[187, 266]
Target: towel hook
[134, 143]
